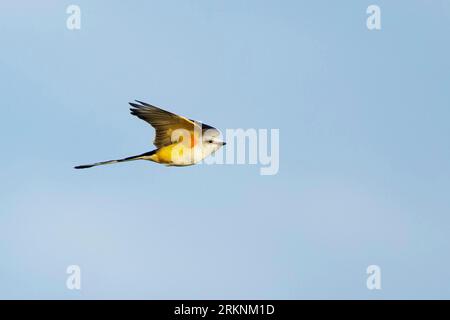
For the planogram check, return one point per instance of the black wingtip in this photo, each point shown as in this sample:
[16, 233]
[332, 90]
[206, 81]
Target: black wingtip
[139, 104]
[143, 103]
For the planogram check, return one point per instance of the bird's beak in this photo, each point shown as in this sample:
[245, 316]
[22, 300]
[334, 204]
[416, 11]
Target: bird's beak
[223, 143]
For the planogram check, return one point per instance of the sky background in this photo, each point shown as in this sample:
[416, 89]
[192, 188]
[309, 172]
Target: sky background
[364, 150]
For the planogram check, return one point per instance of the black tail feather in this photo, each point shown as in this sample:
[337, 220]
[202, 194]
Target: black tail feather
[138, 157]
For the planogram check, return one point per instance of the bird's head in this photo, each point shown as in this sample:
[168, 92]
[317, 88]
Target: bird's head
[211, 140]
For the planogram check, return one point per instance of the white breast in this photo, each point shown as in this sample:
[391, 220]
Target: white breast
[183, 156]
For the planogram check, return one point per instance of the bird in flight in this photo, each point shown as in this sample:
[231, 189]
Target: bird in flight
[179, 141]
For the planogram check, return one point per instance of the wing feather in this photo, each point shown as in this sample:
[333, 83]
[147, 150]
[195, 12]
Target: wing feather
[163, 121]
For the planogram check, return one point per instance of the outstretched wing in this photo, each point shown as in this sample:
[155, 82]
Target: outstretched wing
[163, 121]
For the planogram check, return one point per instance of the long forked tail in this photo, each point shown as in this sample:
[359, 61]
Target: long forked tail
[144, 156]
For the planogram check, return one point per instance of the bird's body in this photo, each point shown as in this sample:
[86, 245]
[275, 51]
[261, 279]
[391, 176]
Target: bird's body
[178, 155]
[179, 141]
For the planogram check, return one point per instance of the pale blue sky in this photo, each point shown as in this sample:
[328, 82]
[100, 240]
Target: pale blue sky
[364, 157]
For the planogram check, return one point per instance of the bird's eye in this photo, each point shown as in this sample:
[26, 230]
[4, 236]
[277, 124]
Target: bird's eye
[210, 141]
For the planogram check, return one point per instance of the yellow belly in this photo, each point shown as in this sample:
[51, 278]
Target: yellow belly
[177, 154]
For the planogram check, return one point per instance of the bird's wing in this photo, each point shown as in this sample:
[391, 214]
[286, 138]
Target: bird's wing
[163, 121]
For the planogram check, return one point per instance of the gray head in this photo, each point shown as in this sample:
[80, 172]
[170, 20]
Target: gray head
[211, 140]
